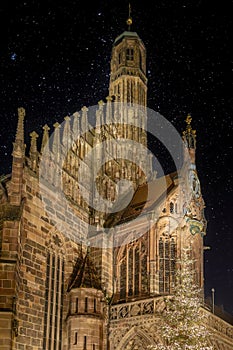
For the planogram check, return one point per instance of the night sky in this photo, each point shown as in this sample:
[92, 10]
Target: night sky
[55, 58]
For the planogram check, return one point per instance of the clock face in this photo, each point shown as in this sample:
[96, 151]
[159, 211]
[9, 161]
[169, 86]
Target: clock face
[194, 184]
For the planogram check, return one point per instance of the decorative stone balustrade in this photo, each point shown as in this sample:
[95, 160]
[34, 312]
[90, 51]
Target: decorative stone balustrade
[155, 306]
[137, 308]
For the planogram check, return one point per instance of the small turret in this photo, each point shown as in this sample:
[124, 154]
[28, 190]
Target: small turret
[85, 319]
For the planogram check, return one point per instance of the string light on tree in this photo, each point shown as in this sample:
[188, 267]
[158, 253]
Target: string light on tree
[182, 326]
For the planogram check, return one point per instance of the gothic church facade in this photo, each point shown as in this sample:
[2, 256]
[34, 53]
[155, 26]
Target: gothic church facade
[97, 279]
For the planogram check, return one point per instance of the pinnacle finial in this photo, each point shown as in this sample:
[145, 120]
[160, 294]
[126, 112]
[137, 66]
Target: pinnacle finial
[34, 135]
[109, 99]
[21, 112]
[101, 104]
[46, 128]
[188, 119]
[56, 125]
[129, 20]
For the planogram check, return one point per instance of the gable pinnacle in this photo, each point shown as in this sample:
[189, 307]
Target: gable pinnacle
[56, 140]
[20, 126]
[45, 137]
[18, 145]
[33, 136]
[33, 150]
[15, 189]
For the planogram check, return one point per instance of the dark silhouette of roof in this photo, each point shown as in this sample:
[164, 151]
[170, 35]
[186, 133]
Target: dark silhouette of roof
[84, 274]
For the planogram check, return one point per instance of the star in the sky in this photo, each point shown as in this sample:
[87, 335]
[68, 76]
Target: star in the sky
[13, 56]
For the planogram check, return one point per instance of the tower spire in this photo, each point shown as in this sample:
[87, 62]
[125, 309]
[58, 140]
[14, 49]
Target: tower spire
[129, 20]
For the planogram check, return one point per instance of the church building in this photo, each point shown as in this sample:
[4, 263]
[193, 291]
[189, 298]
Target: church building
[86, 259]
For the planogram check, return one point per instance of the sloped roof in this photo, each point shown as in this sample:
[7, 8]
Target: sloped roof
[145, 198]
[84, 274]
[126, 34]
[4, 179]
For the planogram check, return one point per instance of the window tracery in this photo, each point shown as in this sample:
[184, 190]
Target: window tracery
[129, 54]
[133, 270]
[167, 261]
[171, 208]
[54, 292]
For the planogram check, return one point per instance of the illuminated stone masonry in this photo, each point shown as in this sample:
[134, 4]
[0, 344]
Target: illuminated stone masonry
[85, 258]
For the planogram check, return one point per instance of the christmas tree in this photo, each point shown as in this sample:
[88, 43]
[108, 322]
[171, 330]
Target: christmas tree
[183, 320]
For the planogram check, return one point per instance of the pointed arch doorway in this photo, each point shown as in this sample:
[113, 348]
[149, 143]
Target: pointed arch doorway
[135, 339]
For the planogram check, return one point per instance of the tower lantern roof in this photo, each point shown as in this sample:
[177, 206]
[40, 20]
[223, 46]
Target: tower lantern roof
[126, 33]
[84, 273]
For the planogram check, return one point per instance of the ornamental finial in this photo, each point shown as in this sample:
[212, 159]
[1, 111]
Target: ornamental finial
[188, 119]
[189, 135]
[129, 20]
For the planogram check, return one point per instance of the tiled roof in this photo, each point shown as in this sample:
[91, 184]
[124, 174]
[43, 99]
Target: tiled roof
[84, 274]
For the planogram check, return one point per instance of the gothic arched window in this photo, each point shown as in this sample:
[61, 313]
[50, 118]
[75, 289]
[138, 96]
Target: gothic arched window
[133, 270]
[54, 293]
[171, 207]
[167, 261]
[129, 54]
[123, 279]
